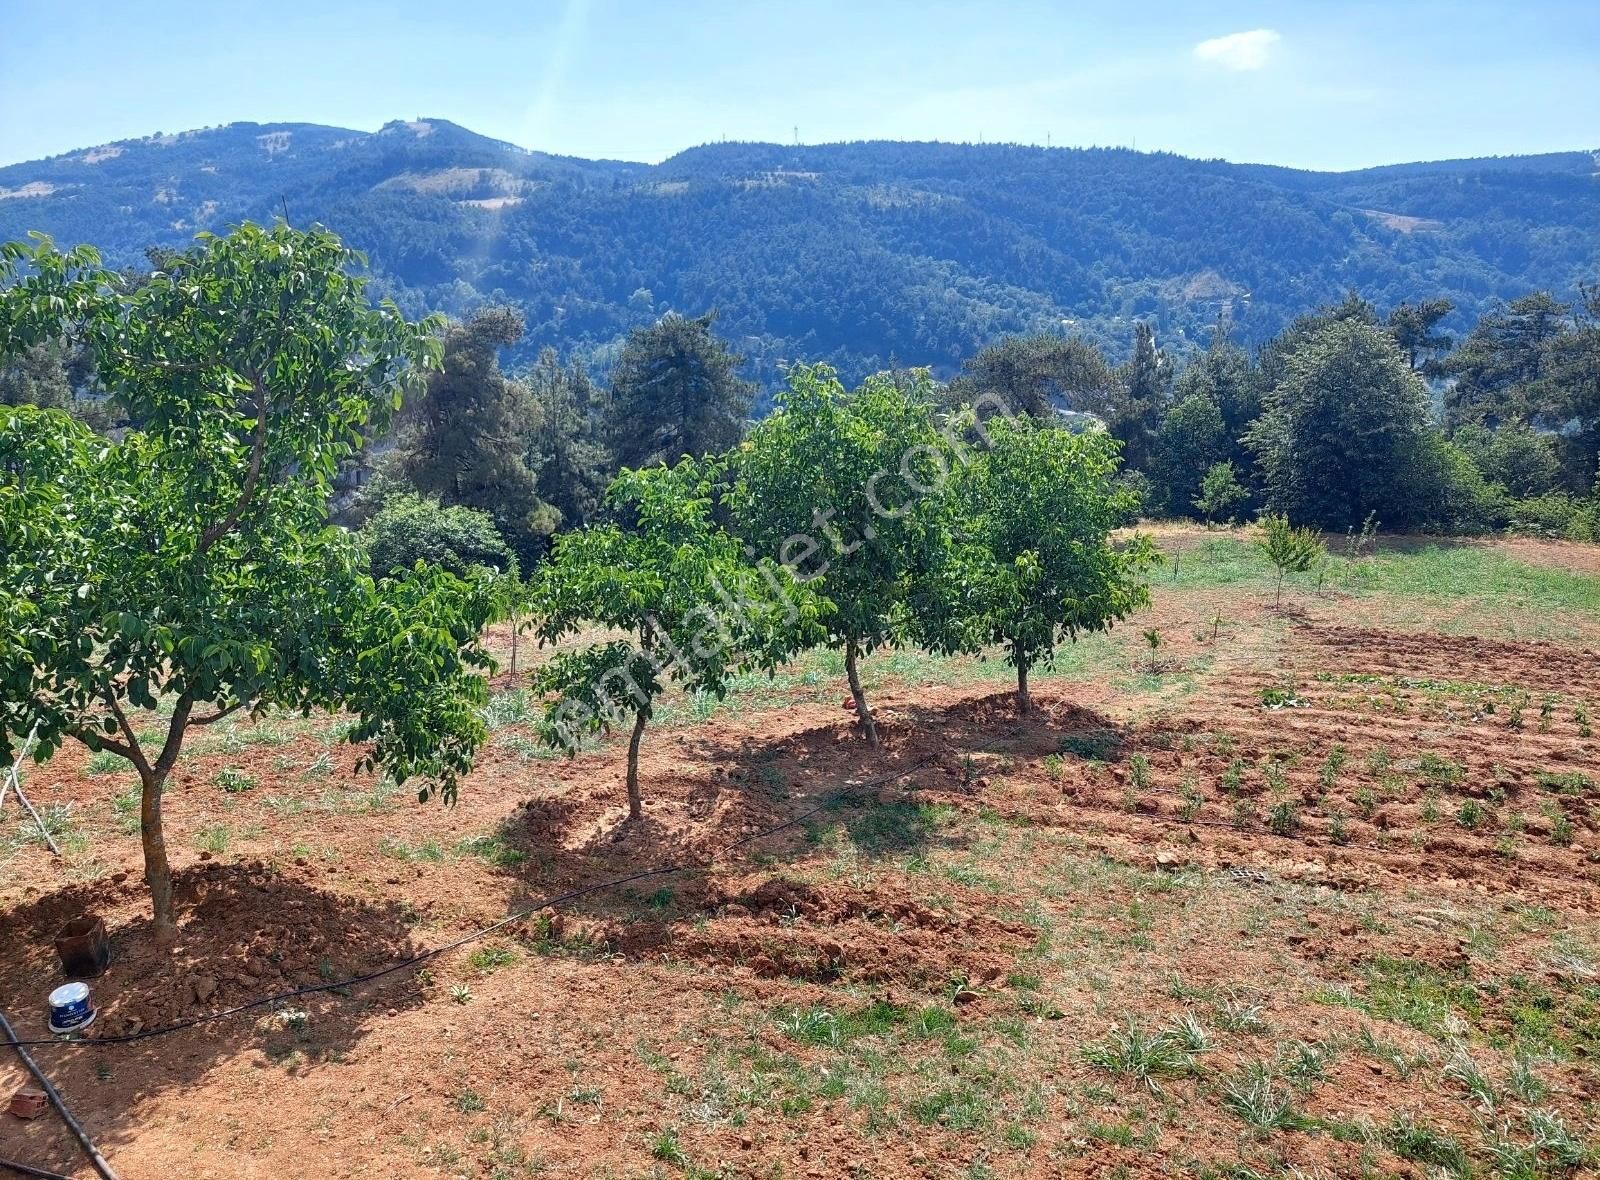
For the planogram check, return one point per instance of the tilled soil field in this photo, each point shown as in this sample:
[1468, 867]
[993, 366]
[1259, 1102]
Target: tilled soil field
[1315, 897]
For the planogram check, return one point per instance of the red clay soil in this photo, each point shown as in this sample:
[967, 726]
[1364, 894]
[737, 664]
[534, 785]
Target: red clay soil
[1040, 878]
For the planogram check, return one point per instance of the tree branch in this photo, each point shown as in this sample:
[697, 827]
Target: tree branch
[135, 752]
[258, 454]
[175, 731]
[212, 718]
[90, 738]
[95, 741]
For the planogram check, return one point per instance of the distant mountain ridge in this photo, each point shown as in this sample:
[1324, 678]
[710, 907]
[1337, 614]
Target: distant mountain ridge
[863, 254]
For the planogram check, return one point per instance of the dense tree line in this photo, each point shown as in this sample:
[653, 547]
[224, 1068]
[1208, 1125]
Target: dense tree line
[534, 454]
[1344, 415]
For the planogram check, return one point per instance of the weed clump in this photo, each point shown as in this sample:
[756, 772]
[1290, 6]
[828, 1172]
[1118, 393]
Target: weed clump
[1144, 1057]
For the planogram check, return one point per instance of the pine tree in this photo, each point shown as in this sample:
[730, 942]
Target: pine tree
[56, 377]
[575, 465]
[675, 391]
[1412, 326]
[466, 441]
[36, 377]
[1037, 375]
[1224, 376]
[1574, 388]
[1273, 358]
[1142, 400]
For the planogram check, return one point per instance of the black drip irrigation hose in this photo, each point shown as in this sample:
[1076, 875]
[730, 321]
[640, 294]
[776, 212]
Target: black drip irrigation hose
[30, 1170]
[82, 1136]
[509, 919]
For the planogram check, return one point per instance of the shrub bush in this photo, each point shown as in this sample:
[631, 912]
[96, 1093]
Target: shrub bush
[1458, 499]
[1554, 514]
[411, 528]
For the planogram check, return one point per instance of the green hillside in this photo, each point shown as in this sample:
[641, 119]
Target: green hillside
[858, 254]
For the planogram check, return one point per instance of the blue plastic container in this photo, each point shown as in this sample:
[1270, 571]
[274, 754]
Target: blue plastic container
[69, 1008]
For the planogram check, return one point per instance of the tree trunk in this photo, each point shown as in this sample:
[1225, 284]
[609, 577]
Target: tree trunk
[515, 628]
[1277, 602]
[863, 712]
[1024, 700]
[635, 804]
[157, 873]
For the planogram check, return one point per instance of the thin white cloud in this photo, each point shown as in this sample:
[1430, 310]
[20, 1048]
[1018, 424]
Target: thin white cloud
[1239, 51]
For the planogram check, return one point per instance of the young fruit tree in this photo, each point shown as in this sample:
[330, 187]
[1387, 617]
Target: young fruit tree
[1290, 550]
[1032, 516]
[1152, 640]
[841, 489]
[694, 611]
[160, 582]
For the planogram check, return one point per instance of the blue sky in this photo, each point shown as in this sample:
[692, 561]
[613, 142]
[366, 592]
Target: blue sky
[1326, 85]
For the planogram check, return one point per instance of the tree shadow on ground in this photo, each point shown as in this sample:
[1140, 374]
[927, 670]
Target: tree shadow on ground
[994, 725]
[251, 931]
[1416, 542]
[763, 806]
[246, 932]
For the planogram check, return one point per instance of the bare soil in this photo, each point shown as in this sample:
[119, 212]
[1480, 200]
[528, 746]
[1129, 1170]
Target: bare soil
[1355, 851]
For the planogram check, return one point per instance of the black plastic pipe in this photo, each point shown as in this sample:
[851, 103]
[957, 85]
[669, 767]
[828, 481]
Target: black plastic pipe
[89, 1149]
[30, 1170]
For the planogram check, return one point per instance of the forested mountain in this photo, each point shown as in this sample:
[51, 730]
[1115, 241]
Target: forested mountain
[859, 254]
